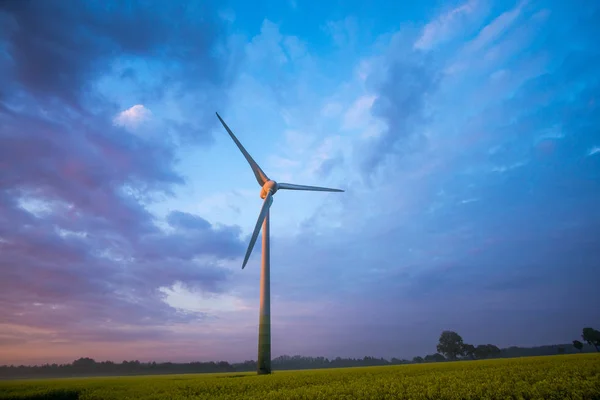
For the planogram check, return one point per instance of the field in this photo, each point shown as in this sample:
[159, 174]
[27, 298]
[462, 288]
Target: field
[552, 377]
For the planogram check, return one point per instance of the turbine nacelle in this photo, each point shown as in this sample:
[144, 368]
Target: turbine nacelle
[271, 186]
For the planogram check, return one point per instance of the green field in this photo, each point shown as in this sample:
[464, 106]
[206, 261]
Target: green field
[552, 377]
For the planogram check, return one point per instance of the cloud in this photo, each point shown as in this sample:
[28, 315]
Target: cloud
[331, 109]
[516, 245]
[133, 117]
[496, 28]
[444, 27]
[494, 40]
[82, 257]
[268, 44]
[400, 101]
[329, 164]
[343, 32]
[358, 114]
[192, 237]
[47, 60]
[181, 298]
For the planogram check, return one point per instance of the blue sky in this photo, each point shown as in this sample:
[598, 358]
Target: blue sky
[465, 133]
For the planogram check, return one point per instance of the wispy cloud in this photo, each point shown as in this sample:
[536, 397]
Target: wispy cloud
[594, 150]
[357, 116]
[495, 29]
[444, 26]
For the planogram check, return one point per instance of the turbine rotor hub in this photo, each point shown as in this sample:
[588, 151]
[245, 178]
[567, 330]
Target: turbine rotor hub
[269, 185]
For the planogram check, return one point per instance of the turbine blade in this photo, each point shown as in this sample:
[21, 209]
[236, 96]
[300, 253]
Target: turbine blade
[290, 186]
[261, 177]
[261, 217]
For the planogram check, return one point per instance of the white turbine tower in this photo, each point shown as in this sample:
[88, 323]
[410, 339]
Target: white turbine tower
[269, 188]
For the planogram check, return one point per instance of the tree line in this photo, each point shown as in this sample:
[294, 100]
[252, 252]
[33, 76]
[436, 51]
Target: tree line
[450, 347]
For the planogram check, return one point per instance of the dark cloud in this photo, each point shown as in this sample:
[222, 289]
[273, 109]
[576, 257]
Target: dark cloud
[79, 250]
[408, 79]
[193, 236]
[56, 47]
[178, 219]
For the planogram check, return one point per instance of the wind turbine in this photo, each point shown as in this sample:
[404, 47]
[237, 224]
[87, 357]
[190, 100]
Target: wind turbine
[268, 189]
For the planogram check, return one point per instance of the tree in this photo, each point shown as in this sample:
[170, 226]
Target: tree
[493, 350]
[437, 357]
[486, 350]
[469, 350]
[578, 345]
[450, 344]
[84, 363]
[481, 351]
[591, 336]
[417, 359]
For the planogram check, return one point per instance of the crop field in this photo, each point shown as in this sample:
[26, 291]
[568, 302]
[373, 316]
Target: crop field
[553, 377]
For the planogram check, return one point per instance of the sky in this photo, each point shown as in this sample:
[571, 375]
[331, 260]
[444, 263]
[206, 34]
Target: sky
[466, 135]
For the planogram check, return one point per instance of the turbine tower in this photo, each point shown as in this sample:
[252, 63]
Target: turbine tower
[268, 189]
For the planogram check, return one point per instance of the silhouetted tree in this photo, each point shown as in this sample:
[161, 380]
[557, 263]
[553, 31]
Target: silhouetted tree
[469, 350]
[417, 360]
[560, 350]
[592, 337]
[578, 345]
[84, 364]
[486, 350]
[437, 357]
[450, 344]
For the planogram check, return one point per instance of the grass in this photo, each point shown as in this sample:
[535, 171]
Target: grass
[551, 377]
